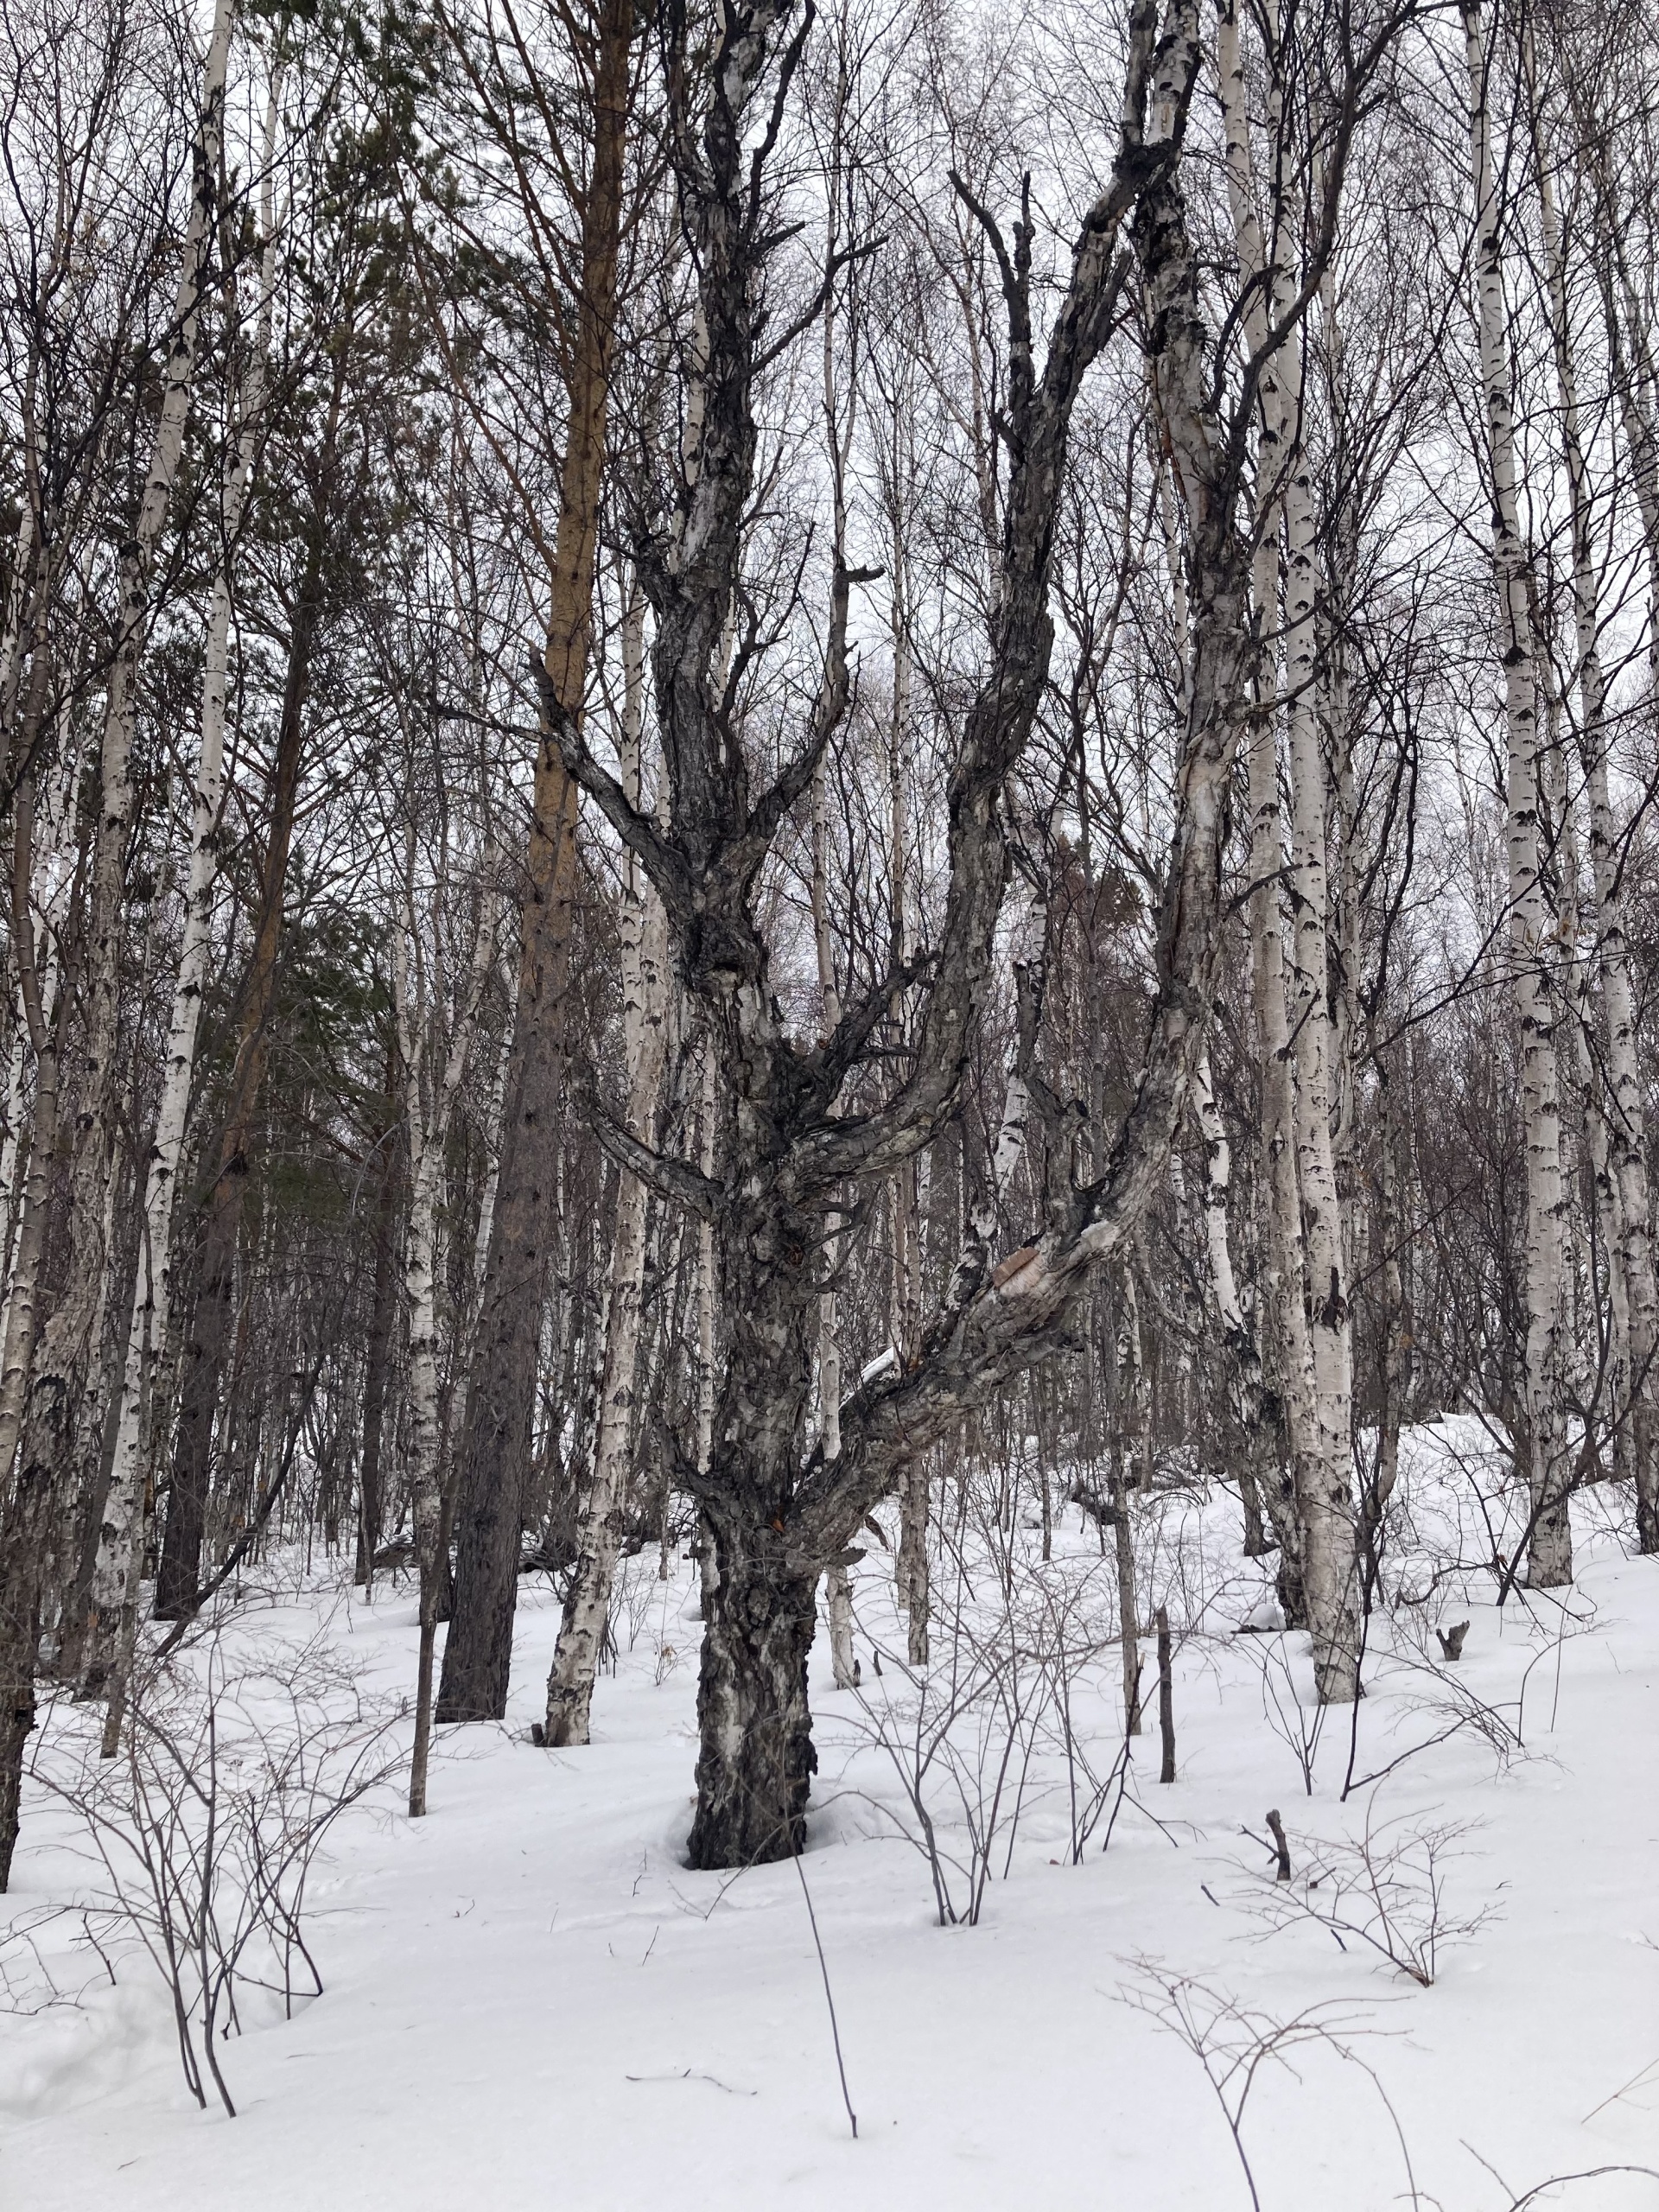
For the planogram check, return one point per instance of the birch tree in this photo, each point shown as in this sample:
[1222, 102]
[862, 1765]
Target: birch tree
[1542, 1450]
[645, 1008]
[115, 1578]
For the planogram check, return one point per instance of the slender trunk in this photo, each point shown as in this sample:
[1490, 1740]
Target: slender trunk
[1393, 1331]
[1258, 1422]
[431, 1105]
[112, 1613]
[65, 1411]
[707, 1289]
[495, 1452]
[27, 1500]
[910, 1563]
[1286, 1351]
[420, 1291]
[13, 1147]
[1547, 1468]
[838, 1589]
[1329, 1557]
[576, 1660]
[1131, 1417]
[1621, 1117]
[378, 1360]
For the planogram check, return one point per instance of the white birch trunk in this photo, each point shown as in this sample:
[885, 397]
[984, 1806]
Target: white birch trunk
[1284, 1339]
[1133, 1415]
[487, 1201]
[132, 612]
[114, 1589]
[838, 1589]
[644, 962]
[429, 1129]
[1330, 1561]
[911, 1561]
[13, 1148]
[1543, 1452]
[837, 1581]
[1219, 1177]
[708, 1569]
[1620, 1129]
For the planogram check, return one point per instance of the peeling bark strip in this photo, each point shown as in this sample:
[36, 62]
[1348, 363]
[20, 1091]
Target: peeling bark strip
[494, 1456]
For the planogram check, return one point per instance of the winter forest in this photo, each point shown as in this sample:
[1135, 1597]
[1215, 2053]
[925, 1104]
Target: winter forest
[829, 1016]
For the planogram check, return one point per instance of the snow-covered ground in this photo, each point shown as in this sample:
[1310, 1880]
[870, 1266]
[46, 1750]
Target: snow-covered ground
[530, 2003]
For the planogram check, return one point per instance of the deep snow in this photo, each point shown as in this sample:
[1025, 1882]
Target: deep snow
[530, 2003]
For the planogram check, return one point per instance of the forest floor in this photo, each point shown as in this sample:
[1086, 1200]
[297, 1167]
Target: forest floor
[529, 2002]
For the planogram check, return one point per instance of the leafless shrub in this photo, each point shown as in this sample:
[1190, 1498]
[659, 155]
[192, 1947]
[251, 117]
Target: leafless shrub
[1438, 1705]
[1233, 2044]
[205, 1828]
[1070, 1630]
[1384, 1889]
[1549, 2190]
[29, 1981]
[636, 1595]
[1298, 1721]
[960, 1738]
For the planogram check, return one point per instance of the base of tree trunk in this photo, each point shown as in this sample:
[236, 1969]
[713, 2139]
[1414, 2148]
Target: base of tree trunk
[757, 1761]
[1288, 1588]
[1550, 1551]
[477, 1652]
[570, 1706]
[178, 1575]
[1336, 1673]
[16, 1722]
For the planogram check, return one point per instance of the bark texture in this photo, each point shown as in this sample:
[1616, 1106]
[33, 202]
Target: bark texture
[1542, 1450]
[494, 1456]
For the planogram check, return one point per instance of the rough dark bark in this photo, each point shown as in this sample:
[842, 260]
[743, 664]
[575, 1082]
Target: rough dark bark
[25, 1518]
[494, 1462]
[757, 1761]
[1165, 1699]
[784, 1143]
[23, 1543]
[179, 1575]
[381, 1315]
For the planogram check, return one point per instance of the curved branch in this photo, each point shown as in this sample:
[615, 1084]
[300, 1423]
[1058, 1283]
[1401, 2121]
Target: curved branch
[661, 860]
[676, 1180]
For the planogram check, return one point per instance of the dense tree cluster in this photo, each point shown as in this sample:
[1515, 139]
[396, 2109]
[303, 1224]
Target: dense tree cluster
[755, 761]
